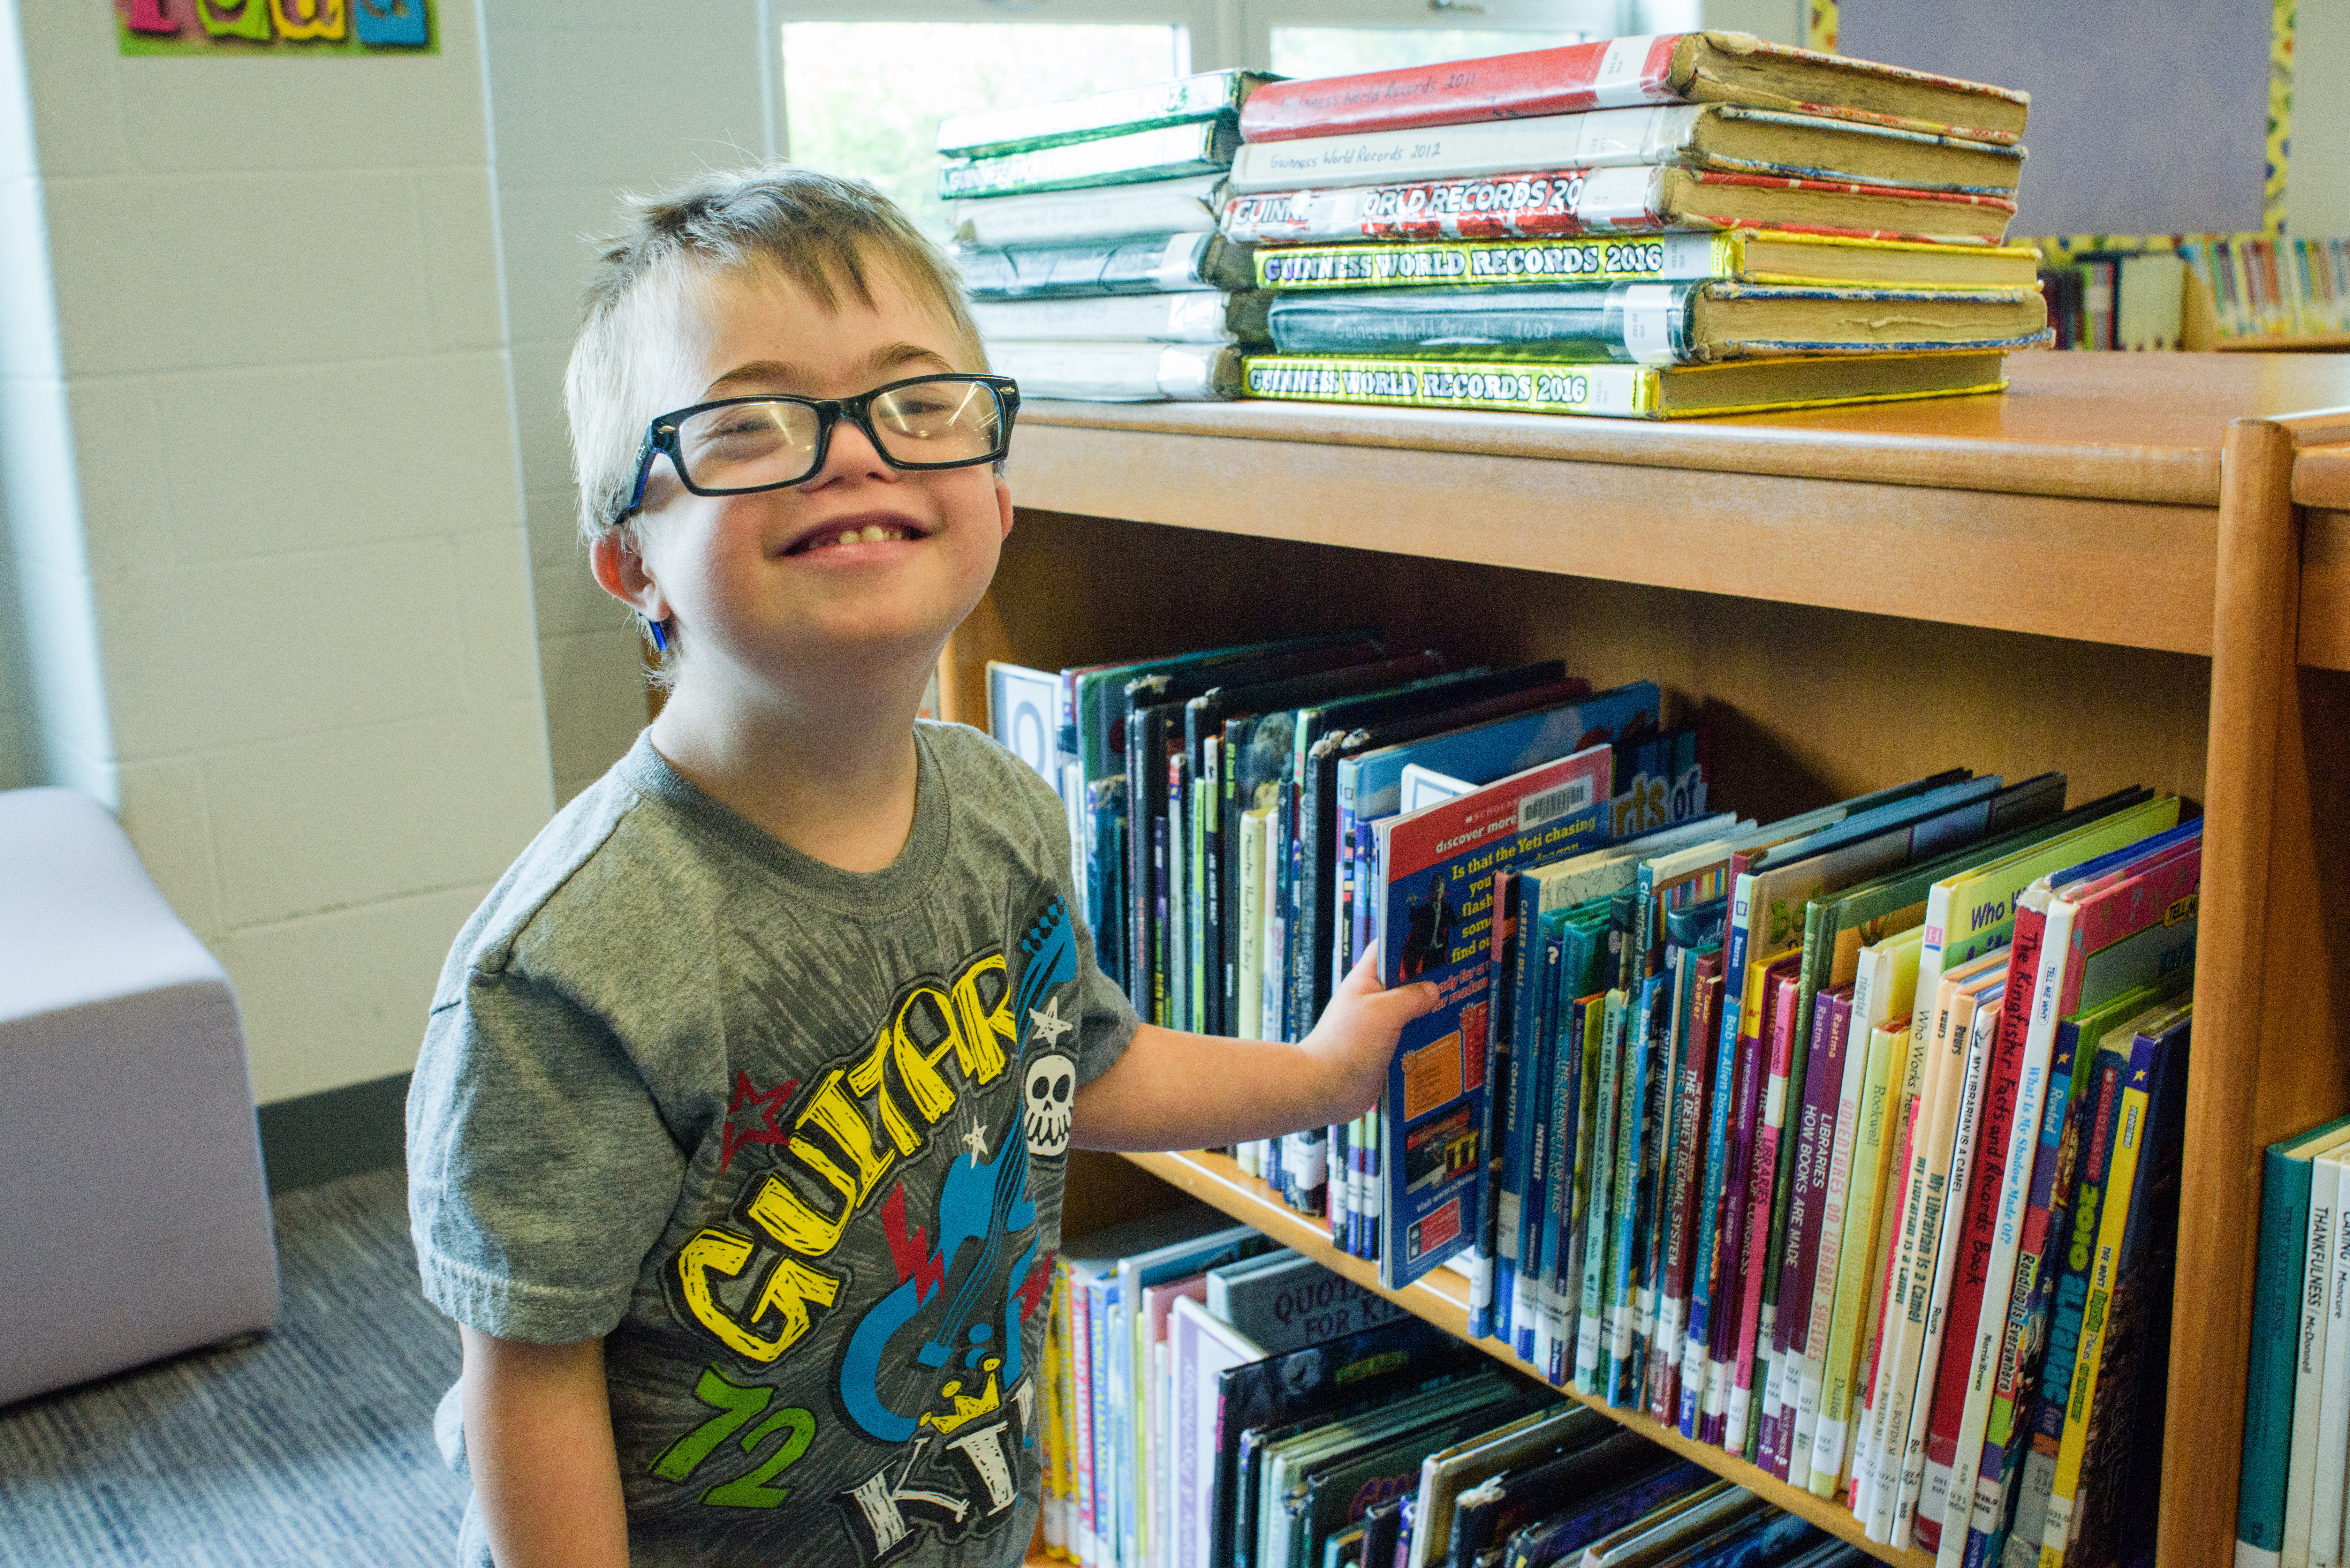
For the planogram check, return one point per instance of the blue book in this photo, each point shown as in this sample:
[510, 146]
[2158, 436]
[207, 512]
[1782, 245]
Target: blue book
[1437, 897]
[2276, 1321]
[1532, 1135]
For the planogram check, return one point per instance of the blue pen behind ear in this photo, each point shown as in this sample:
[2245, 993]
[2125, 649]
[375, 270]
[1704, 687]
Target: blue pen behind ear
[653, 629]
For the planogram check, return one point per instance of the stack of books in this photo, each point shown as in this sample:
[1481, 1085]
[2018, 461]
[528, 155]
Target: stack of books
[1086, 234]
[1682, 223]
[1213, 1402]
[1847, 1143]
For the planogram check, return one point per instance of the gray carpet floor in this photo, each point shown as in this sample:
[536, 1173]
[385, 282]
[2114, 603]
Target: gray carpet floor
[312, 1445]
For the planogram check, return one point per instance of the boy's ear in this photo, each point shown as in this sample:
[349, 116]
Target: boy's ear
[620, 571]
[1003, 505]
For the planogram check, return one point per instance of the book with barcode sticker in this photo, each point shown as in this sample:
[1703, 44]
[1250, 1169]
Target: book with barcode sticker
[1436, 921]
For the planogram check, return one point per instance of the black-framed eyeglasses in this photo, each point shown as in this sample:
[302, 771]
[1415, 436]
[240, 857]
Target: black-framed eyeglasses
[738, 445]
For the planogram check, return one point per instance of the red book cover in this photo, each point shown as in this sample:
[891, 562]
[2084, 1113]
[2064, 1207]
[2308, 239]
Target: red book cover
[1681, 1184]
[1606, 73]
[1979, 1215]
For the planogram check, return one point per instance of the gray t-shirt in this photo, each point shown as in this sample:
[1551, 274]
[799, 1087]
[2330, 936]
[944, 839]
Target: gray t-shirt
[790, 1138]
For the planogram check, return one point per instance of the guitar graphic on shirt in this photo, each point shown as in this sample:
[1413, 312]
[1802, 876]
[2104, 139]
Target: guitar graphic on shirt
[957, 1309]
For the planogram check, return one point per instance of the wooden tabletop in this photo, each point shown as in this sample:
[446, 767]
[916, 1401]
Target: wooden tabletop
[2121, 427]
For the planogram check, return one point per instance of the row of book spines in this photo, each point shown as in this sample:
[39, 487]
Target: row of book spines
[1774, 1432]
[2280, 286]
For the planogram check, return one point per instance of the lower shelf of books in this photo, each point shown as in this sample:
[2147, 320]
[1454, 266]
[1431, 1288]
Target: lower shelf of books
[1442, 1300]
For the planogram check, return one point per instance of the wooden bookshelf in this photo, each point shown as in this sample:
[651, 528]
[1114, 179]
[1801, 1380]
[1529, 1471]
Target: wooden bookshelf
[2132, 568]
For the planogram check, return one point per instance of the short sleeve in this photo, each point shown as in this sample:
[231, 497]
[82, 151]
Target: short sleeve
[540, 1171]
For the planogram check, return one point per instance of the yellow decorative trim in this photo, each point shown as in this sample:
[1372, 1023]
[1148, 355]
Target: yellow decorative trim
[2280, 139]
[1820, 24]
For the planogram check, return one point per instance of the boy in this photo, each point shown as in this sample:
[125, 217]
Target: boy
[737, 1139]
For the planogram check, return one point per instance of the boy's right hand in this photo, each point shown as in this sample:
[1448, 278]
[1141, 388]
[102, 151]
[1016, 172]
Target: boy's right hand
[1356, 1038]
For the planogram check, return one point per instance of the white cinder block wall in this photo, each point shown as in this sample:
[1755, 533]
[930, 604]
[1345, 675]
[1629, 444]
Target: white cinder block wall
[278, 404]
[591, 98]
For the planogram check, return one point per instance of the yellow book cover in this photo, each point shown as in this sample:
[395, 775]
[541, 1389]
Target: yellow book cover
[1860, 1471]
[1751, 256]
[1892, 989]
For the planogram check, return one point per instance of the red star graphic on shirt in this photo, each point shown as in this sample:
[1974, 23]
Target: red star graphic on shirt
[752, 1117]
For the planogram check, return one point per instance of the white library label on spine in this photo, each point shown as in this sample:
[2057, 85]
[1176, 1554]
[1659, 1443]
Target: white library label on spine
[1620, 81]
[1649, 322]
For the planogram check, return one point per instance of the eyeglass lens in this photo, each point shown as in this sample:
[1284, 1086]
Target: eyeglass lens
[743, 446]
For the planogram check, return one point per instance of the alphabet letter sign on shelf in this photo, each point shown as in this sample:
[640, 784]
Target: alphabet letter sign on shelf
[339, 28]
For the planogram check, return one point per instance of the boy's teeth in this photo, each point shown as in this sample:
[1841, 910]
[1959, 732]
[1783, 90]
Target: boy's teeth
[871, 533]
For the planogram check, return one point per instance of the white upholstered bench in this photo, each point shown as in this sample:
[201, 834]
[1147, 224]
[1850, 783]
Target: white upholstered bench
[133, 1218]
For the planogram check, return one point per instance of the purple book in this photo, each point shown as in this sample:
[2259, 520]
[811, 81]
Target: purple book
[1804, 1129]
[1822, 1088]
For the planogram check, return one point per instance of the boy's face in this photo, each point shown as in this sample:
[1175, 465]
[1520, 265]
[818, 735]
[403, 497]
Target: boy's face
[759, 585]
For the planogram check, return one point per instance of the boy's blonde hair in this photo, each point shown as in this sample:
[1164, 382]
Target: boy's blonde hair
[820, 232]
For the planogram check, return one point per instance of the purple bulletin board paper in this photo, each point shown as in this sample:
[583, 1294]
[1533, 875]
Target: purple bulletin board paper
[342, 28]
[2148, 117]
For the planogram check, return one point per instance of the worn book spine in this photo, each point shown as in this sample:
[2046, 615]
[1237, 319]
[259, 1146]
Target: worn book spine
[1650, 258]
[2041, 1253]
[1181, 263]
[1808, 1231]
[1121, 372]
[1634, 199]
[1186, 316]
[1591, 1327]
[1684, 1186]
[1603, 74]
[2086, 1389]
[1704, 1261]
[1597, 138]
[1778, 1026]
[1632, 1134]
[1618, 391]
[1846, 1370]
[1737, 1241]
[2035, 1485]
[1607, 73]
[1589, 322]
[1557, 1337]
[1946, 1229]
[1183, 206]
[1165, 153]
[1989, 1214]
[1794, 1304]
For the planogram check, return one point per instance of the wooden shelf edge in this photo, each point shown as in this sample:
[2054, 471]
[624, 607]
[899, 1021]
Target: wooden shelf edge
[2284, 343]
[1216, 1181]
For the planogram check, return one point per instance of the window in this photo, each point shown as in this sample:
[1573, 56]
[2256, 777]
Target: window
[864, 99]
[1316, 51]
